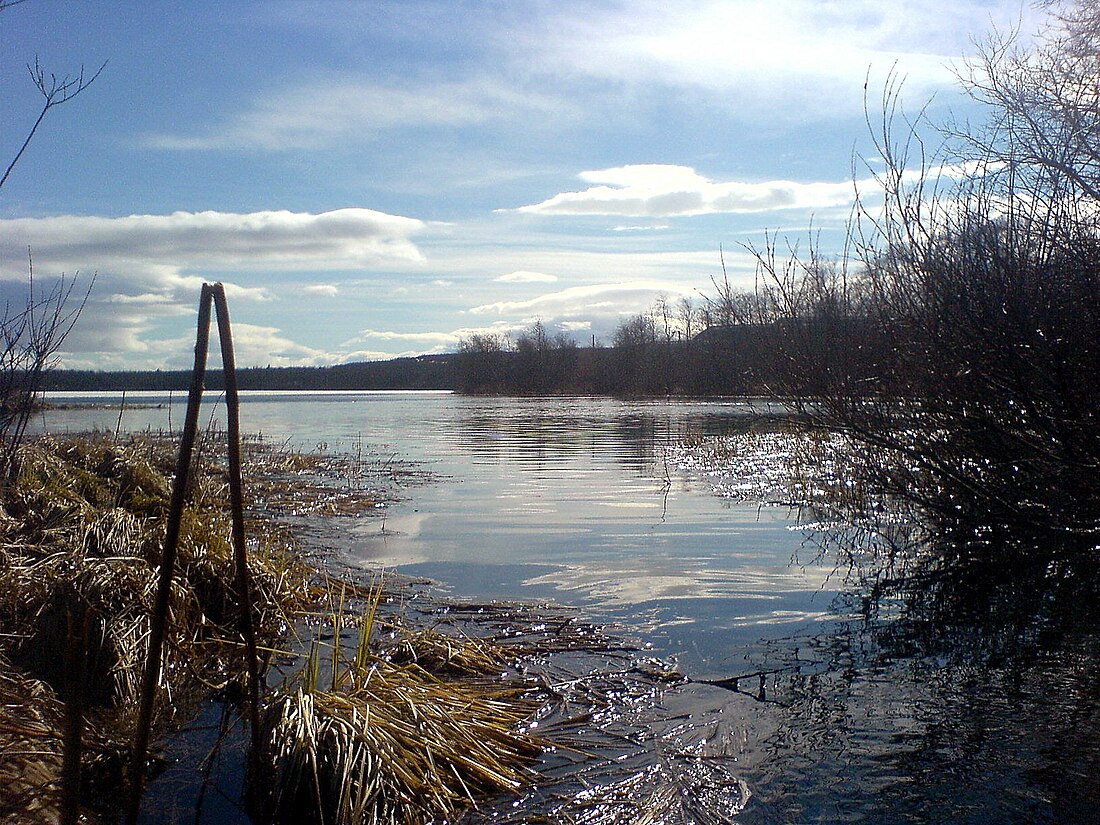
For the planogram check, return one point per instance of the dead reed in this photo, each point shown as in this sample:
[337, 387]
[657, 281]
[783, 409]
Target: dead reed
[80, 538]
[404, 725]
[30, 745]
[385, 724]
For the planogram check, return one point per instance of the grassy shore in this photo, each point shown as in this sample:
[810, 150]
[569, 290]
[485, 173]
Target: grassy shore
[371, 722]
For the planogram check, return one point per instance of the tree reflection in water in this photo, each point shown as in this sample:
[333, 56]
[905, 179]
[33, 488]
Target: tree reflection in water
[970, 696]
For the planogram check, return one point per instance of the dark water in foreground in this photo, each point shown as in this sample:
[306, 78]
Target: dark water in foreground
[834, 719]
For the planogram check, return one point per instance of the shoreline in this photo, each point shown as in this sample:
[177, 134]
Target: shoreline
[316, 596]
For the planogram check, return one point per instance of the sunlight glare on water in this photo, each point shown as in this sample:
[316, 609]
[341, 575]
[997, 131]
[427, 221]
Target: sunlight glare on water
[634, 514]
[566, 500]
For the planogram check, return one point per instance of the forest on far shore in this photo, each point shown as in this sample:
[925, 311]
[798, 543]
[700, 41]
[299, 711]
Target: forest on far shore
[427, 372]
[733, 359]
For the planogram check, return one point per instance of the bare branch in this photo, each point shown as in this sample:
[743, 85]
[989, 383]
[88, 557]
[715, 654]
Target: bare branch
[55, 91]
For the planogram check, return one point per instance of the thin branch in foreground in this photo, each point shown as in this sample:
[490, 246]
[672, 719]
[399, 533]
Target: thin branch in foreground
[55, 91]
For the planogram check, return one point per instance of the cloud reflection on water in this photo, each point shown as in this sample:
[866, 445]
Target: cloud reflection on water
[636, 581]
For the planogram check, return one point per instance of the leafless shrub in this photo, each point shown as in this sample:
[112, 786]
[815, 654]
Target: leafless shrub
[954, 347]
[31, 335]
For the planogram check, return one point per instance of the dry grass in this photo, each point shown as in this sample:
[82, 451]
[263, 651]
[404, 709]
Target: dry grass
[86, 522]
[81, 533]
[407, 728]
[30, 749]
[393, 744]
[444, 654]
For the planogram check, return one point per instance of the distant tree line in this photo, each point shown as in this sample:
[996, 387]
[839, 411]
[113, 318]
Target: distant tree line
[732, 344]
[724, 346]
[426, 372]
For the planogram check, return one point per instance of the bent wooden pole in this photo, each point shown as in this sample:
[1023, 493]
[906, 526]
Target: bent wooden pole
[236, 492]
[158, 623]
[78, 622]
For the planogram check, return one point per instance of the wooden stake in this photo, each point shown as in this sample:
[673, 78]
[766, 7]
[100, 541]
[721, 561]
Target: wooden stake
[159, 620]
[236, 492]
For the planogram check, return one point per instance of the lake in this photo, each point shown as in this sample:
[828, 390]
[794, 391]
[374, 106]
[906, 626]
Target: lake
[564, 500]
[583, 503]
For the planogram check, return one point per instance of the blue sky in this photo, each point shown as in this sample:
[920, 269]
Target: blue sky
[373, 179]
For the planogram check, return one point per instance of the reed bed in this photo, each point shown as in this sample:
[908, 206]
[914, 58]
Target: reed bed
[81, 531]
[404, 725]
[392, 744]
[30, 748]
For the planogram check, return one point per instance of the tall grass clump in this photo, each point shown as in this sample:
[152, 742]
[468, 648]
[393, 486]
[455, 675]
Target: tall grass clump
[371, 735]
[81, 530]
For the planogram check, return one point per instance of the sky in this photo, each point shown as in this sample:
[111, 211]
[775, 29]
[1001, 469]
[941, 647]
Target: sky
[377, 179]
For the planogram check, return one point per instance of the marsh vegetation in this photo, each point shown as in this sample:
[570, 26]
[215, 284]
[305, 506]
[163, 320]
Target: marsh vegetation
[400, 722]
[951, 357]
[942, 446]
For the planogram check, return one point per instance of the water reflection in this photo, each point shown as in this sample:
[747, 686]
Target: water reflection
[547, 439]
[1006, 655]
[854, 731]
[971, 699]
[961, 692]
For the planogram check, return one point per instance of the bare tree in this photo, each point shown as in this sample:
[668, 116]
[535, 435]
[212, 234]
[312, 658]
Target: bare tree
[481, 361]
[954, 354]
[688, 317]
[1044, 103]
[55, 91]
[30, 337]
[31, 334]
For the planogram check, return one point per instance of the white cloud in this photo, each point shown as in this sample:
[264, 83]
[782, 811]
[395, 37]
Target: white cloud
[110, 343]
[575, 326]
[603, 299]
[324, 290]
[149, 268]
[579, 259]
[155, 259]
[418, 337]
[322, 113]
[663, 190]
[525, 277]
[373, 355]
[340, 239]
[436, 341]
[126, 337]
[264, 345]
[787, 57]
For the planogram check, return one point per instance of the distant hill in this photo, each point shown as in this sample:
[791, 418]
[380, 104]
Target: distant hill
[425, 372]
[741, 359]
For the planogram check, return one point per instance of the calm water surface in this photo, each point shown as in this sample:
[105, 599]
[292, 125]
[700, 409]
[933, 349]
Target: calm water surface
[570, 501]
[567, 500]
